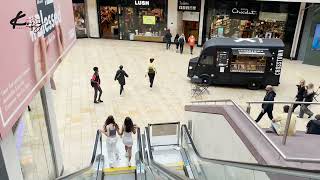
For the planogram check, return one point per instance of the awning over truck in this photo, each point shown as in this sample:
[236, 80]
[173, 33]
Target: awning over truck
[251, 52]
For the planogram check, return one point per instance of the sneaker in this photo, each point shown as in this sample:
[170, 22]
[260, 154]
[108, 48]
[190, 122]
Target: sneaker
[111, 165]
[100, 101]
[310, 116]
[96, 102]
[129, 164]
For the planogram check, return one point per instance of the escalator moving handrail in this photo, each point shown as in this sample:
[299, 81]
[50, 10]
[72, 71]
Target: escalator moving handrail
[97, 139]
[158, 166]
[139, 144]
[314, 174]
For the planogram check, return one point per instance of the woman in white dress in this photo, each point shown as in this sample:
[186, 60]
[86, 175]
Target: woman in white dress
[110, 129]
[127, 129]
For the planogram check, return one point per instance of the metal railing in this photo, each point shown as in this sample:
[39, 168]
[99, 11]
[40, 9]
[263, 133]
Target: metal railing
[284, 138]
[226, 101]
[313, 174]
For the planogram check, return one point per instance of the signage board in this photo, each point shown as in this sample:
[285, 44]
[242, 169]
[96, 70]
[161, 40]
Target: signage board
[189, 5]
[151, 20]
[35, 35]
[316, 38]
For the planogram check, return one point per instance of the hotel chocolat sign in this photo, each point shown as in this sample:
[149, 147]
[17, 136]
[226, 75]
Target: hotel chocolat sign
[240, 12]
[189, 5]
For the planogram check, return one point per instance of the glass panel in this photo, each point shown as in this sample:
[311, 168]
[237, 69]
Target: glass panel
[208, 170]
[208, 60]
[33, 144]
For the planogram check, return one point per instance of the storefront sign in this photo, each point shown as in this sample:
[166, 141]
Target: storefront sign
[244, 11]
[277, 70]
[141, 3]
[189, 5]
[35, 35]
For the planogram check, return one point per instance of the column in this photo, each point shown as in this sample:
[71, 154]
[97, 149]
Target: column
[50, 117]
[10, 168]
[92, 16]
[297, 31]
[201, 22]
[172, 21]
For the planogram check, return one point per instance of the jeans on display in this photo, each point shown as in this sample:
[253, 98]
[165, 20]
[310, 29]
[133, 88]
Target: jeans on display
[151, 78]
[304, 109]
[96, 89]
[270, 115]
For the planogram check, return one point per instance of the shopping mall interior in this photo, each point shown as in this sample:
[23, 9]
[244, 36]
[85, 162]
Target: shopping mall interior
[166, 89]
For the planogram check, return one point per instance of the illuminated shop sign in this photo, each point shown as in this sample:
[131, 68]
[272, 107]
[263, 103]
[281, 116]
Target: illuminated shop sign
[244, 11]
[142, 3]
[189, 5]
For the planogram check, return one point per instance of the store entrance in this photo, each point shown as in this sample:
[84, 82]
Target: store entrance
[191, 27]
[109, 22]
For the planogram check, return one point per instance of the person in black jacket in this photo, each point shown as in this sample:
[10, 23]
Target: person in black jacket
[176, 42]
[120, 76]
[308, 97]
[313, 126]
[167, 38]
[267, 108]
[300, 93]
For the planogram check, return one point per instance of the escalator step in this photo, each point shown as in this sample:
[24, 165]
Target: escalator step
[119, 170]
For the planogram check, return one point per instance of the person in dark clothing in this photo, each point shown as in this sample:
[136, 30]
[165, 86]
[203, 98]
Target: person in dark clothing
[267, 108]
[176, 42]
[308, 97]
[95, 83]
[313, 126]
[167, 38]
[299, 96]
[181, 41]
[120, 76]
[151, 72]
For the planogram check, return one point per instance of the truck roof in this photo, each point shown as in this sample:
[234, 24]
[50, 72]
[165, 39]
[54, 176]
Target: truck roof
[244, 43]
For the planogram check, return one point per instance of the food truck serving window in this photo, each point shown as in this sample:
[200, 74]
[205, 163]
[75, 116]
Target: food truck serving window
[249, 60]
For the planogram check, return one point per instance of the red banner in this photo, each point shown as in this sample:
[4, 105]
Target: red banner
[35, 35]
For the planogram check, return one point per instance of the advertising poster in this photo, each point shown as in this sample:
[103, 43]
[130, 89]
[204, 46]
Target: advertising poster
[149, 20]
[35, 35]
[316, 38]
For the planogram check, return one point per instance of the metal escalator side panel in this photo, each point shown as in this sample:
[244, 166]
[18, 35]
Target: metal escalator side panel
[96, 163]
[221, 169]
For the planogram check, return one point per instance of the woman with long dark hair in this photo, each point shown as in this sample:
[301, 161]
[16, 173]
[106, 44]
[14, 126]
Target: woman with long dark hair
[127, 129]
[110, 129]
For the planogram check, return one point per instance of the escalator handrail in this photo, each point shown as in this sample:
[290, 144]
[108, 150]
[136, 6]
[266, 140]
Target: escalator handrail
[74, 174]
[158, 166]
[314, 174]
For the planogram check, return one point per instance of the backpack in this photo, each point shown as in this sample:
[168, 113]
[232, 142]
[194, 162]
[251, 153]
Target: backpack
[181, 40]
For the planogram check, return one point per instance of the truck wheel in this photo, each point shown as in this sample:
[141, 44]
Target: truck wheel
[254, 85]
[205, 80]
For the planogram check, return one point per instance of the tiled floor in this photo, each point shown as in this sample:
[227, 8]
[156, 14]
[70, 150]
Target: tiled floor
[78, 118]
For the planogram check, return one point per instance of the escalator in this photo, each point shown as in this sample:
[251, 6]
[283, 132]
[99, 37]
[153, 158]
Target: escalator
[163, 152]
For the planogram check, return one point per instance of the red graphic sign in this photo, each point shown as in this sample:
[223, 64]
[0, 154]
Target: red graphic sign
[35, 34]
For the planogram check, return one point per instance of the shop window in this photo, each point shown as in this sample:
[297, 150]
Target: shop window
[248, 64]
[207, 60]
[79, 12]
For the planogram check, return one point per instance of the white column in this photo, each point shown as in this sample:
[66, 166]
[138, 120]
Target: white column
[50, 117]
[297, 31]
[172, 21]
[10, 168]
[92, 17]
[201, 22]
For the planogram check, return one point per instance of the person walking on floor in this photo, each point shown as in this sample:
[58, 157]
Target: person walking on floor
[267, 108]
[151, 72]
[167, 38]
[126, 132]
[191, 41]
[95, 83]
[181, 41]
[308, 97]
[176, 38]
[110, 129]
[300, 93]
[120, 76]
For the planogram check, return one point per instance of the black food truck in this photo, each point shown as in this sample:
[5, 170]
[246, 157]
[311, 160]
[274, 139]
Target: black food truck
[253, 62]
